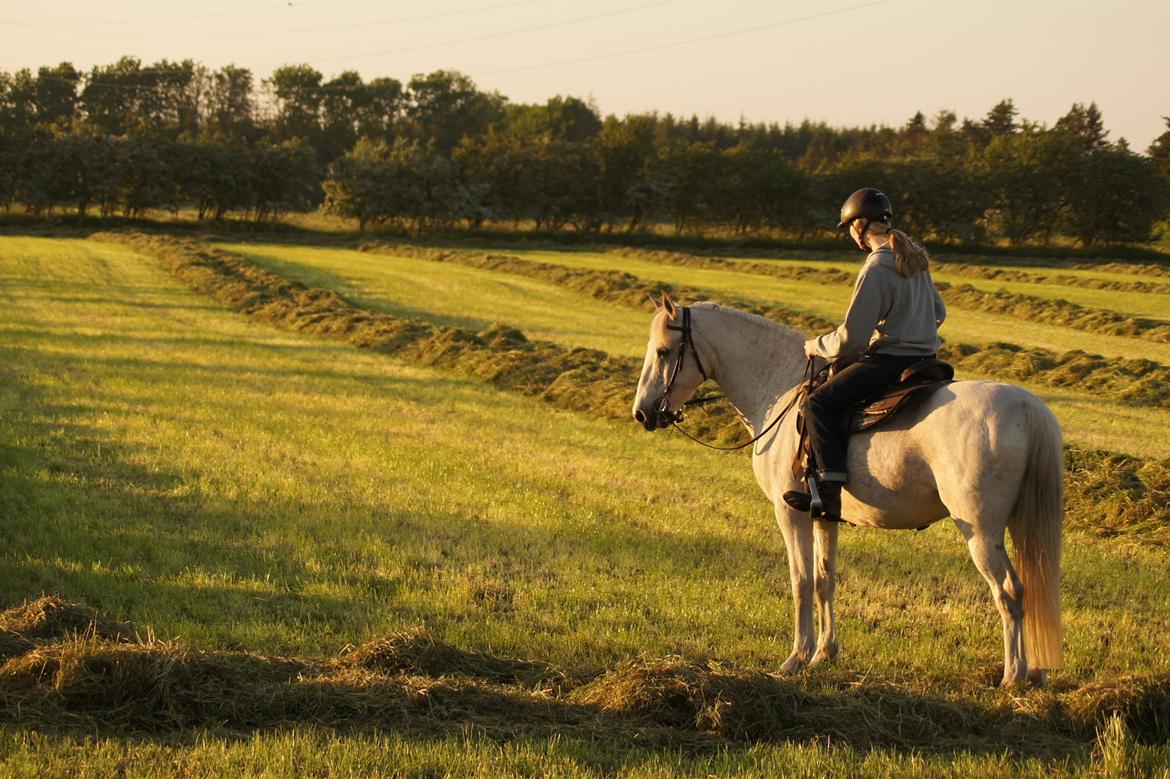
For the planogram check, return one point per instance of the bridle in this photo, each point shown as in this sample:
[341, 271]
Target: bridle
[662, 404]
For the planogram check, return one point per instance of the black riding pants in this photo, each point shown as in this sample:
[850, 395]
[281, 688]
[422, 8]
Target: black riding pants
[826, 408]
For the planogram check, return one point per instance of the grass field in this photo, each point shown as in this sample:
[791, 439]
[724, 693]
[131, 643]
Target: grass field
[452, 294]
[233, 487]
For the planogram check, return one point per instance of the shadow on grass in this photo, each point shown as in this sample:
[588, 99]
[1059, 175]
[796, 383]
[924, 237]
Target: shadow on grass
[410, 684]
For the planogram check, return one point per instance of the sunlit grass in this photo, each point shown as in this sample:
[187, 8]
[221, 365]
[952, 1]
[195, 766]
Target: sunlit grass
[236, 487]
[830, 302]
[452, 294]
[456, 295]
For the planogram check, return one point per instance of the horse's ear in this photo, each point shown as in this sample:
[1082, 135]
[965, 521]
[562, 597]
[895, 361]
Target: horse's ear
[657, 303]
[669, 306]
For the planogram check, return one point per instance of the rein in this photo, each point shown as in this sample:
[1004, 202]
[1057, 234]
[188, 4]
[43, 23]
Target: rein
[662, 407]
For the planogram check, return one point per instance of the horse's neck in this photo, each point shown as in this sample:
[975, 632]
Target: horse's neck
[757, 361]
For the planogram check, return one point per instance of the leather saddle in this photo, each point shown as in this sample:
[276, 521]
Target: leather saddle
[914, 385]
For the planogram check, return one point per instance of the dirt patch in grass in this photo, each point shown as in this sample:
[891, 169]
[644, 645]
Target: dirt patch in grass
[412, 682]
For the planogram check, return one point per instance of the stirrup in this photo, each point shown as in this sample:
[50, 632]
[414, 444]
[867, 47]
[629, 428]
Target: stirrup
[806, 501]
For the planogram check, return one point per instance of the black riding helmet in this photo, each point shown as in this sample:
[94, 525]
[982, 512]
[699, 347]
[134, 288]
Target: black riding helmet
[867, 203]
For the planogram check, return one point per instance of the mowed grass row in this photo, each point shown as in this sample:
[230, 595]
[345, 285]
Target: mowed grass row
[830, 301]
[448, 293]
[197, 473]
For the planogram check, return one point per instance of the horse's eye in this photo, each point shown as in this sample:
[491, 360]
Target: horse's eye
[663, 351]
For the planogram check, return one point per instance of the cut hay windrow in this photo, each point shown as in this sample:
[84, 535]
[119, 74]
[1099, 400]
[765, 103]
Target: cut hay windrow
[1030, 307]
[1137, 382]
[1055, 312]
[1107, 494]
[411, 682]
[1136, 268]
[582, 379]
[993, 273]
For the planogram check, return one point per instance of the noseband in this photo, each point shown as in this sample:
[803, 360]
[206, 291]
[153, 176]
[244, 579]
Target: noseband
[662, 405]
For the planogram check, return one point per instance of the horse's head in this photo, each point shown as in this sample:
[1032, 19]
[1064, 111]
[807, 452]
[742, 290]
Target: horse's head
[671, 371]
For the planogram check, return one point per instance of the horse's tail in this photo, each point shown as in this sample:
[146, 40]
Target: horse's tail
[1035, 527]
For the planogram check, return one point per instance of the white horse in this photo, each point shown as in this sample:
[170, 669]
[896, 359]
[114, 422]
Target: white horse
[986, 454]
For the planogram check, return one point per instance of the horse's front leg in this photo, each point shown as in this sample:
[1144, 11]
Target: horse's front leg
[798, 539]
[825, 536]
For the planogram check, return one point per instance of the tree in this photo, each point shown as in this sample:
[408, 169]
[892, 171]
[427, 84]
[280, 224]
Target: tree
[1116, 197]
[446, 106]
[1027, 174]
[625, 150]
[284, 177]
[1084, 126]
[55, 94]
[689, 174]
[360, 184]
[567, 119]
[231, 109]
[296, 90]
[343, 100]
[379, 115]
[1001, 119]
[1159, 154]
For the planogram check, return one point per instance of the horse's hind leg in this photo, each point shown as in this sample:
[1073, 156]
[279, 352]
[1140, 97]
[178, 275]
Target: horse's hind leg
[825, 553]
[987, 550]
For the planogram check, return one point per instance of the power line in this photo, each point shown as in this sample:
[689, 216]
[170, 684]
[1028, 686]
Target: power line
[213, 15]
[286, 31]
[701, 39]
[500, 34]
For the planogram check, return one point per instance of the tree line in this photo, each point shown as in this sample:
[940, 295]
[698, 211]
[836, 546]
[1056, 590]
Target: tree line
[437, 151]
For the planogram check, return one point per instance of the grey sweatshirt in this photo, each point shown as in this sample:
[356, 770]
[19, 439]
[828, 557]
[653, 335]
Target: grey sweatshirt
[894, 314]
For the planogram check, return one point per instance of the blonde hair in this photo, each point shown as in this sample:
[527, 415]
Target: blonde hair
[910, 257]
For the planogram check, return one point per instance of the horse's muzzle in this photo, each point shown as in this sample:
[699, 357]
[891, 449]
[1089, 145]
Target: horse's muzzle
[648, 421]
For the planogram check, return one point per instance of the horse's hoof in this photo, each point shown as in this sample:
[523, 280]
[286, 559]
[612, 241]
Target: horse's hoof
[1038, 677]
[824, 656]
[794, 664]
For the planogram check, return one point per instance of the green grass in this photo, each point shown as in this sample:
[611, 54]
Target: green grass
[447, 293]
[458, 296]
[830, 302]
[240, 488]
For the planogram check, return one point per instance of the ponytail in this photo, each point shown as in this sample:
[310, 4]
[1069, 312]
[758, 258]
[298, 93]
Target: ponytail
[910, 257]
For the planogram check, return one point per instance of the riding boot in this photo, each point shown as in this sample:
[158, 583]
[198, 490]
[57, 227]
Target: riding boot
[801, 501]
[830, 500]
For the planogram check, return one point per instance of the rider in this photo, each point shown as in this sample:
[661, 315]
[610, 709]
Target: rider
[892, 323]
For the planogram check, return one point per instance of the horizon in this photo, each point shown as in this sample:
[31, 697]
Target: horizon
[667, 56]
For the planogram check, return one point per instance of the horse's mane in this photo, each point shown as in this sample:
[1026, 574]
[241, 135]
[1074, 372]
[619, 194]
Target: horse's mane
[755, 319]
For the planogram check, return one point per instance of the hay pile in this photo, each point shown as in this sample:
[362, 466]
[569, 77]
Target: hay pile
[1110, 494]
[413, 683]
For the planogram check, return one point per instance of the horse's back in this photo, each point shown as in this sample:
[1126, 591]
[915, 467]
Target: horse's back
[968, 437]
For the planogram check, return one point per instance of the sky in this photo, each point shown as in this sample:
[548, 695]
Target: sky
[845, 62]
